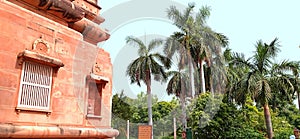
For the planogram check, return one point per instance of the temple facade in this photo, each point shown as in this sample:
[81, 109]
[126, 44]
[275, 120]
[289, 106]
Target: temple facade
[54, 80]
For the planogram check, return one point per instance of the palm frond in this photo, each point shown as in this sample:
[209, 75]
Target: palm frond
[188, 12]
[238, 59]
[174, 14]
[157, 70]
[227, 54]
[174, 84]
[173, 44]
[165, 61]
[142, 49]
[273, 47]
[154, 43]
[223, 39]
[177, 83]
[202, 15]
[135, 71]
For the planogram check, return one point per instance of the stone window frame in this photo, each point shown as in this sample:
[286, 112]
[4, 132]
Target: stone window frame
[99, 82]
[26, 96]
[40, 59]
[94, 99]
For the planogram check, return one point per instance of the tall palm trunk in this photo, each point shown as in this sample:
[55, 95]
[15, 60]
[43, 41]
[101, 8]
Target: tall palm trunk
[202, 79]
[148, 80]
[183, 107]
[268, 121]
[192, 93]
[210, 78]
[149, 102]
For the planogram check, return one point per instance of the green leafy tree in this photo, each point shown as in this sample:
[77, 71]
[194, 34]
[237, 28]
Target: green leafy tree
[121, 112]
[282, 128]
[163, 117]
[226, 123]
[291, 113]
[120, 106]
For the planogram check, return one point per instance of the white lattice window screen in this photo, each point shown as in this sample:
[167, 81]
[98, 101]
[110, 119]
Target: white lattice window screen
[35, 86]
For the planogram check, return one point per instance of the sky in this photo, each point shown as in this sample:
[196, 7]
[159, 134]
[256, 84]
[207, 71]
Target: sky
[243, 22]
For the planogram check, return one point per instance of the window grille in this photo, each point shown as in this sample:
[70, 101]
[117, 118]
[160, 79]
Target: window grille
[35, 86]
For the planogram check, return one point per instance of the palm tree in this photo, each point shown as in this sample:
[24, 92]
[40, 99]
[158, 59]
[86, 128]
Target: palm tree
[195, 42]
[146, 65]
[177, 86]
[284, 83]
[258, 81]
[295, 67]
[180, 41]
[234, 74]
[206, 47]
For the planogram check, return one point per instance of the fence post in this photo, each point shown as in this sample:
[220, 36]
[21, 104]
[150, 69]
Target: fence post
[127, 129]
[174, 125]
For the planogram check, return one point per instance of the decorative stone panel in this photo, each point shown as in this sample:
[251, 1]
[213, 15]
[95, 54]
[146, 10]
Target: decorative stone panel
[41, 46]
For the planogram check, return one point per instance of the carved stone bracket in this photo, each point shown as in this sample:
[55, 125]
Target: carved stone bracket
[91, 9]
[63, 9]
[69, 10]
[91, 31]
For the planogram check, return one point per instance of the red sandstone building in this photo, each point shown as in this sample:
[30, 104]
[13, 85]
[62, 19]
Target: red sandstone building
[54, 81]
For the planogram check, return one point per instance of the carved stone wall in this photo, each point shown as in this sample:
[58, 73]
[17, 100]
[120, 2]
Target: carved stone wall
[51, 42]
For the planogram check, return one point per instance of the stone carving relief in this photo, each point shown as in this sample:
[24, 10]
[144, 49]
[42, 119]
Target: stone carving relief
[41, 46]
[97, 69]
[63, 8]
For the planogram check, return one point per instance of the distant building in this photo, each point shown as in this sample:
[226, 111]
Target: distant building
[54, 81]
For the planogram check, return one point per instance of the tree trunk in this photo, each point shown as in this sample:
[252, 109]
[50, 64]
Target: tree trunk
[192, 93]
[202, 79]
[211, 80]
[182, 103]
[148, 80]
[149, 104]
[268, 121]
[298, 100]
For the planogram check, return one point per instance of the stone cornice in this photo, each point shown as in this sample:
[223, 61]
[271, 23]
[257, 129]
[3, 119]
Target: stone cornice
[78, 17]
[63, 9]
[69, 11]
